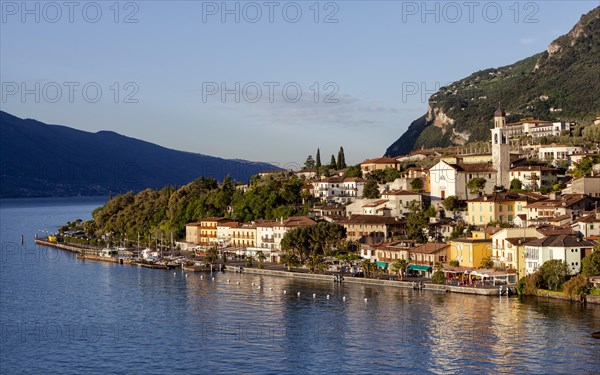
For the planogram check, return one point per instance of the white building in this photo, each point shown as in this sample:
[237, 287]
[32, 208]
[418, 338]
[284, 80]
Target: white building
[400, 201]
[568, 248]
[451, 179]
[534, 176]
[537, 128]
[338, 189]
[557, 153]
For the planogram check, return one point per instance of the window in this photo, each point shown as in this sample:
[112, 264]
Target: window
[591, 226]
[500, 218]
[500, 208]
[510, 217]
[490, 208]
[510, 208]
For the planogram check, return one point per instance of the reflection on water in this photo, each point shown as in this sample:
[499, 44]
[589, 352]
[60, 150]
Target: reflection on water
[59, 314]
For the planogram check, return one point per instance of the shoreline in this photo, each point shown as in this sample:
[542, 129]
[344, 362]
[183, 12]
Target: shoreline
[350, 280]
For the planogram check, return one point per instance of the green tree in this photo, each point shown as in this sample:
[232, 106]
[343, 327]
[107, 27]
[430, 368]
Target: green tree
[577, 286]
[289, 259]
[553, 273]
[371, 189]
[391, 174]
[583, 168]
[416, 185]
[591, 133]
[399, 267]
[591, 263]
[368, 267]
[261, 258]
[487, 262]
[353, 171]
[451, 203]
[318, 161]
[416, 222]
[341, 161]
[516, 184]
[332, 163]
[310, 162]
[211, 254]
[438, 277]
[476, 185]
[454, 263]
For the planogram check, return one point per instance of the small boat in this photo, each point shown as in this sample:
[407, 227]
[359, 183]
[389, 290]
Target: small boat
[596, 335]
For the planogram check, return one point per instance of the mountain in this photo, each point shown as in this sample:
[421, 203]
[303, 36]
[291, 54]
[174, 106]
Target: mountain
[562, 83]
[38, 159]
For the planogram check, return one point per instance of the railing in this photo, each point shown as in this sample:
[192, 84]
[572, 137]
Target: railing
[267, 240]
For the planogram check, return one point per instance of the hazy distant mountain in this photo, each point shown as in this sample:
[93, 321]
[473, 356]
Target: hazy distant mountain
[562, 83]
[38, 159]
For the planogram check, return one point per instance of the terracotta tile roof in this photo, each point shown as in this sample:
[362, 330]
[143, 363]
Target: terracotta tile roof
[373, 219]
[535, 168]
[507, 197]
[560, 240]
[520, 240]
[212, 219]
[566, 200]
[401, 192]
[551, 230]
[474, 167]
[298, 221]
[472, 240]
[376, 203]
[430, 248]
[380, 161]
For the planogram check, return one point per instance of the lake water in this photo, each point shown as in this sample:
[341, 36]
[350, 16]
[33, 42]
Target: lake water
[61, 315]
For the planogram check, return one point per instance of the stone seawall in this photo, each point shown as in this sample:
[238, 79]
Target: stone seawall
[365, 281]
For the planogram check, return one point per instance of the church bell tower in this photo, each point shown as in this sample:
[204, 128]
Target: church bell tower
[500, 149]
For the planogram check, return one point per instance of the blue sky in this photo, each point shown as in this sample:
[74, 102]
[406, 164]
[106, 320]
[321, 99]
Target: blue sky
[155, 70]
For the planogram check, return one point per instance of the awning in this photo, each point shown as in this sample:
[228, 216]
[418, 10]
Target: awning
[419, 267]
[382, 264]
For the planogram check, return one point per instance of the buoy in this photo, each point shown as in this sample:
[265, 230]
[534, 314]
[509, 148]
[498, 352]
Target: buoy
[285, 292]
[328, 296]
[186, 275]
[366, 300]
[238, 283]
[270, 288]
[201, 277]
[344, 298]
[298, 294]
[252, 284]
[314, 295]
[213, 279]
[227, 280]
[259, 287]
[174, 274]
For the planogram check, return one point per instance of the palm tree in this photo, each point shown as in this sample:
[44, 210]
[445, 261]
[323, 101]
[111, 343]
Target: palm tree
[289, 259]
[401, 266]
[316, 263]
[261, 258]
[366, 267]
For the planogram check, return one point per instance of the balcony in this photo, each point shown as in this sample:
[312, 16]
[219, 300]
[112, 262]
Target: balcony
[267, 240]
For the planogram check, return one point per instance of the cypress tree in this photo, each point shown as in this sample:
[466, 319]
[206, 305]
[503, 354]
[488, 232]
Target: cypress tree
[333, 164]
[318, 161]
[341, 156]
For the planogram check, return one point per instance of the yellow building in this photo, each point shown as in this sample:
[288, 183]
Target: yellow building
[469, 251]
[192, 233]
[499, 207]
[518, 246]
[243, 236]
[203, 232]
[368, 166]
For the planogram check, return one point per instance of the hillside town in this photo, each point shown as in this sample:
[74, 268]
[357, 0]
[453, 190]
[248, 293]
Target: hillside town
[499, 214]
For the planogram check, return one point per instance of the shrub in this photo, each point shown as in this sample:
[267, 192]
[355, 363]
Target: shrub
[438, 277]
[576, 286]
[454, 263]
